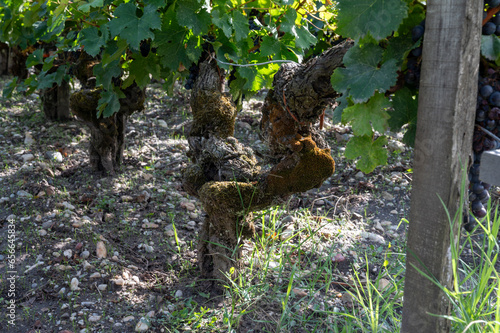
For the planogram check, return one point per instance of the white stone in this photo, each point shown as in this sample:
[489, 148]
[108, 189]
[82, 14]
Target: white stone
[85, 254]
[28, 139]
[27, 157]
[68, 253]
[128, 318]
[102, 287]
[119, 282]
[74, 284]
[94, 318]
[178, 293]
[42, 232]
[24, 194]
[142, 325]
[162, 123]
[95, 275]
[67, 205]
[101, 251]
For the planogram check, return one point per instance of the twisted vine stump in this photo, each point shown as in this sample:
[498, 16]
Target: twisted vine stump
[55, 102]
[225, 175]
[107, 135]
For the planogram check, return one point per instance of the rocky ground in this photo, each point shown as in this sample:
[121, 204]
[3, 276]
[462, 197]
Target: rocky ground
[102, 254]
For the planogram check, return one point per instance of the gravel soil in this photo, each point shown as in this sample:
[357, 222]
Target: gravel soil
[118, 254]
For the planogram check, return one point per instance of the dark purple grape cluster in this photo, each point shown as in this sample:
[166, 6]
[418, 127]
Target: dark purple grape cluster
[412, 75]
[493, 25]
[488, 118]
[194, 70]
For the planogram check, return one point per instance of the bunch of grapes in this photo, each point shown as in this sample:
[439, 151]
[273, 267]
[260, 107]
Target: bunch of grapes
[493, 25]
[487, 117]
[412, 75]
[194, 70]
[487, 124]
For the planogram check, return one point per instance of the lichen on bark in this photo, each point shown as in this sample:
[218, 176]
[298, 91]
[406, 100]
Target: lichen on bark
[107, 135]
[225, 175]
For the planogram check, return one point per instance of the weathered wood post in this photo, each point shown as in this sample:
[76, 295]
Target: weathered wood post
[448, 88]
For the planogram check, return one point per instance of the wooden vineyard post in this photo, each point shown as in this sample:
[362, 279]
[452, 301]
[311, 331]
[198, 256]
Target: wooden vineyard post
[447, 99]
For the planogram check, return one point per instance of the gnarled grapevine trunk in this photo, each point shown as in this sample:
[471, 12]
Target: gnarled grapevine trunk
[107, 135]
[225, 174]
[55, 101]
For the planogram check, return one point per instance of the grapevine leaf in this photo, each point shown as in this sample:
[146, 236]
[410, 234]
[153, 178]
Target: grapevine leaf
[405, 112]
[35, 58]
[371, 153]
[9, 88]
[190, 15]
[104, 74]
[45, 80]
[193, 49]
[397, 48]
[92, 41]
[223, 21]
[109, 103]
[127, 25]
[170, 42]
[273, 47]
[140, 68]
[490, 47]
[367, 115]
[303, 38]
[240, 23]
[288, 21]
[93, 3]
[270, 46]
[343, 103]
[377, 18]
[362, 74]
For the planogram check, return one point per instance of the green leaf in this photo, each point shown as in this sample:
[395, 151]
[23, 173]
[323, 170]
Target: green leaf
[140, 68]
[170, 41]
[223, 21]
[193, 48]
[288, 20]
[9, 88]
[92, 40]
[367, 115]
[375, 18]
[35, 58]
[343, 103]
[104, 74]
[190, 15]
[371, 153]
[405, 107]
[363, 75]
[134, 29]
[94, 4]
[397, 48]
[240, 23]
[109, 103]
[490, 47]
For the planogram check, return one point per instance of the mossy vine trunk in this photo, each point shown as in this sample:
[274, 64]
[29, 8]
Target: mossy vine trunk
[107, 135]
[55, 101]
[225, 175]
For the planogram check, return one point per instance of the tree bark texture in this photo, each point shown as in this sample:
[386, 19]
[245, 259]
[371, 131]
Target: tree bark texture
[225, 175]
[17, 63]
[4, 58]
[447, 99]
[55, 102]
[107, 135]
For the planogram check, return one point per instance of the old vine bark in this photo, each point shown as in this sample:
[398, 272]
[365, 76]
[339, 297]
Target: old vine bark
[107, 135]
[225, 175]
